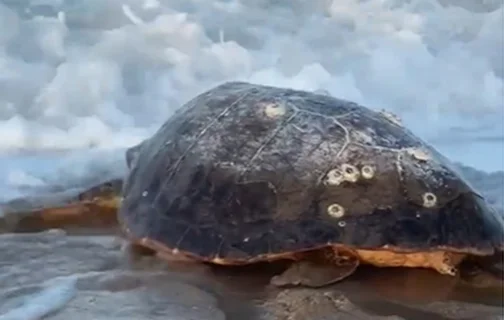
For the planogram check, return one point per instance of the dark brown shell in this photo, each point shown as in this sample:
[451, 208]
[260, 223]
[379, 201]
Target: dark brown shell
[246, 171]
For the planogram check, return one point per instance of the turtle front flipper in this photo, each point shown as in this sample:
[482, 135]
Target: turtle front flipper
[94, 208]
[315, 272]
[484, 272]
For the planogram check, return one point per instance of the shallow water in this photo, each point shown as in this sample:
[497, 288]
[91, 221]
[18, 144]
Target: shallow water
[56, 274]
[59, 276]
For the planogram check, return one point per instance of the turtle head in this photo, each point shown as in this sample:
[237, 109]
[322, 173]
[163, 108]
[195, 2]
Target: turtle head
[95, 207]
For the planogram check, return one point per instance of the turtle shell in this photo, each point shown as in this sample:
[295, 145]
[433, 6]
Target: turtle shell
[246, 172]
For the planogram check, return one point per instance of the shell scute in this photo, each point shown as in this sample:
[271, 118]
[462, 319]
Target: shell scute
[241, 172]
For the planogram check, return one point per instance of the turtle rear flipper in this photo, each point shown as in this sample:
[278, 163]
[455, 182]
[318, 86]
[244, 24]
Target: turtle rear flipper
[95, 207]
[317, 274]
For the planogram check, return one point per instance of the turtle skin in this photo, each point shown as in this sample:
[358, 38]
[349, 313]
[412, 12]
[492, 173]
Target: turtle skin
[246, 172]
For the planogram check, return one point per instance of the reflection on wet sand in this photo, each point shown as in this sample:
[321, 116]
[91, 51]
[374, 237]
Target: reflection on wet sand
[407, 293]
[114, 282]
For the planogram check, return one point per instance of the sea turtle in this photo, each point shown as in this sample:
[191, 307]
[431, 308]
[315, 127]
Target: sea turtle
[245, 173]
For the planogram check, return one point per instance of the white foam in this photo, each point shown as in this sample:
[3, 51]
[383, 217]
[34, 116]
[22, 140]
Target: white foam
[35, 173]
[106, 74]
[131, 15]
[55, 294]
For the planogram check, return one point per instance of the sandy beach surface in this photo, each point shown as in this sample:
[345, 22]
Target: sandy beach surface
[51, 275]
[94, 273]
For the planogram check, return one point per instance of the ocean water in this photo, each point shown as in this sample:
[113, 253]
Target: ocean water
[54, 295]
[94, 77]
[80, 81]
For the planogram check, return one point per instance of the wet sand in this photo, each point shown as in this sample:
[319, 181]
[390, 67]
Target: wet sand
[88, 271]
[112, 282]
